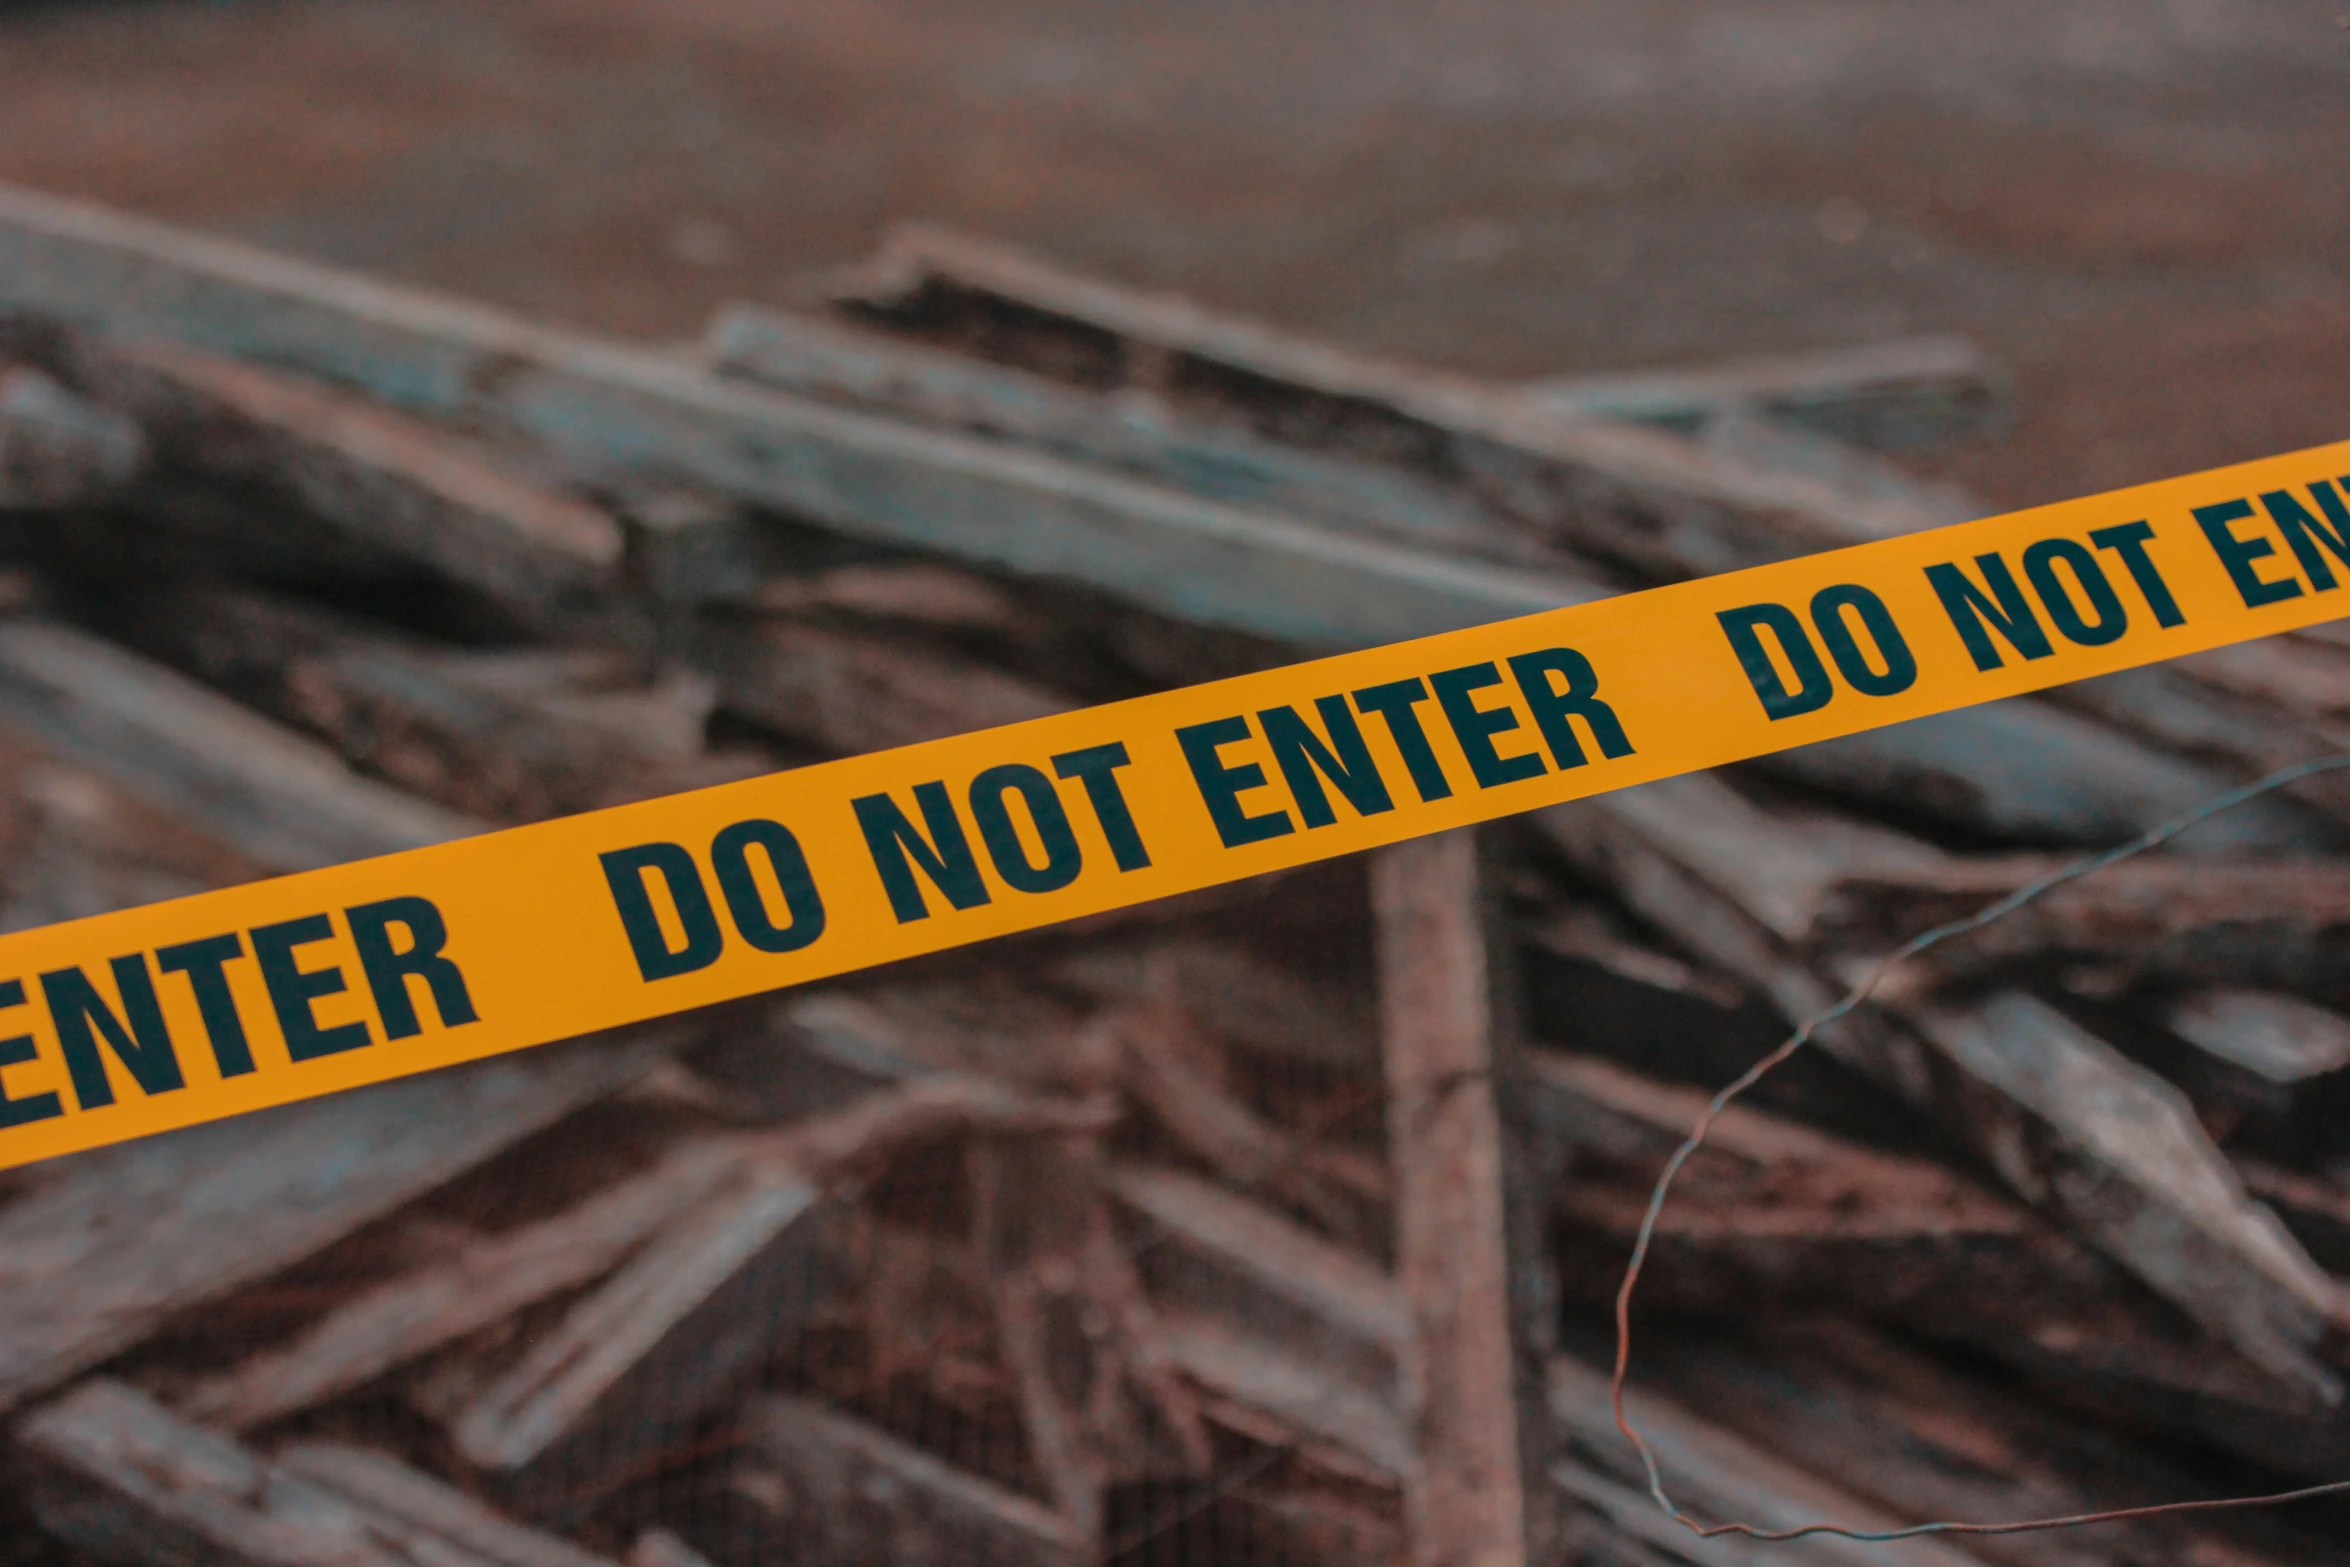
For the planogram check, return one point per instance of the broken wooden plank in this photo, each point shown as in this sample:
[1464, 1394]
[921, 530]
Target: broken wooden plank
[2261, 923]
[1293, 1340]
[607, 1392]
[2267, 1073]
[80, 845]
[118, 1241]
[2278, 1038]
[848, 692]
[2025, 771]
[1103, 1405]
[618, 1384]
[1615, 994]
[1210, 1254]
[379, 478]
[1132, 431]
[116, 1474]
[2131, 1171]
[2246, 737]
[2033, 1096]
[423, 1516]
[989, 1024]
[611, 406]
[450, 725]
[1772, 1212]
[850, 1495]
[1468, 1195]
[488, 1280]
[1912, 1435]
[1288, 1401]
[1238, 996]
[1718, 1476]
[282, 801]
[1890, 396]
[1169, 1070]
[59, 449]
[1607, 489]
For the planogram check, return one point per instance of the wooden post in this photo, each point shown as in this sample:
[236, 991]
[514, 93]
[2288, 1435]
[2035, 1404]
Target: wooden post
[1469, 1252]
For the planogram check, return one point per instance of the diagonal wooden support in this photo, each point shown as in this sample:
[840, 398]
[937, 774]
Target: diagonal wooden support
[1468, 1242]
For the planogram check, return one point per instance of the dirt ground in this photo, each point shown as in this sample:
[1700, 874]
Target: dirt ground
[2139, 204]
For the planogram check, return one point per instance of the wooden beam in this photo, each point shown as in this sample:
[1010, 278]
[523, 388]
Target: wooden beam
[612, 406]
[2041, 774]
[845, 1492]
[1468, 1199]
[413, 1314]
[421, 1516]
[59, 449]
[1773, 1214]
[1899, 395]
[2267, 1073]
[1132, 432]
[284, 802]
[83, 845]
[2281, 1040]
[377, 477]
[1751, 436]
[467, 730]
[119, 1241]
[2245, 736]
[117, 1475]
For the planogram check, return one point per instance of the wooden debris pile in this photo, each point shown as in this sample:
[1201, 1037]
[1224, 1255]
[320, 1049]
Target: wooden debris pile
[1269, 1225]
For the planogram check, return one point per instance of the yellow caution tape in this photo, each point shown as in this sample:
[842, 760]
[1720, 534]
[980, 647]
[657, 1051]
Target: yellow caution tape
[140, 1021]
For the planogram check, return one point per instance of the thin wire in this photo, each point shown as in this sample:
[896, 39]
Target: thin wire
[1803, 1034]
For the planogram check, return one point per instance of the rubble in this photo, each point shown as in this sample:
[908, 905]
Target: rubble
[1273, 1224]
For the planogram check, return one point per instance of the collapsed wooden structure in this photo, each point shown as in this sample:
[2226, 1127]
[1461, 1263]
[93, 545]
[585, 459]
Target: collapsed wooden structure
[1269, 1224]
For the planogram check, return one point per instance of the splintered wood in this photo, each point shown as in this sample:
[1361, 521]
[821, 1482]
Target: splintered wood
[1272, 1225]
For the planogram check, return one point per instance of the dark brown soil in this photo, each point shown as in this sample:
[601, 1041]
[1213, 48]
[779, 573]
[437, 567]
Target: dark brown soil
[2140, 204]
